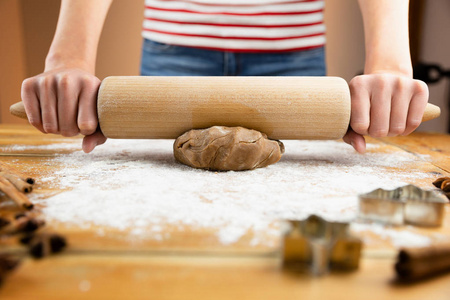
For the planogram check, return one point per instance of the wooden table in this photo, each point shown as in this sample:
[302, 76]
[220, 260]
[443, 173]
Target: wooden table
[94, 268]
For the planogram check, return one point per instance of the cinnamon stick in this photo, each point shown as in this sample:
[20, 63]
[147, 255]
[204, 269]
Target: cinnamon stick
[21, 185]
[8, 169]
[417, 263]
[446, 186]
[23, 224]
[4, 222]
[438, 182]
[9, 189]
[7, 263]
[443, 183]
[42, 244]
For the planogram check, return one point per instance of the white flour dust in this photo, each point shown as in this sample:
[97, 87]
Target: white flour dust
[52, 147]
[136, 185]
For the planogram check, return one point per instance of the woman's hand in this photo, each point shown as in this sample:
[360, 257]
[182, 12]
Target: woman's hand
[64, 101]
[384, 104]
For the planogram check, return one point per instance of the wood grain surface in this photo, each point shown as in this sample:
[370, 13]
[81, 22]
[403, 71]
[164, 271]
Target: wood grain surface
[192, 265]
[200, 277]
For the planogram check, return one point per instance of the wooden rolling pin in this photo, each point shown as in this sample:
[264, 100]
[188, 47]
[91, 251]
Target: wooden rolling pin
[282, 107]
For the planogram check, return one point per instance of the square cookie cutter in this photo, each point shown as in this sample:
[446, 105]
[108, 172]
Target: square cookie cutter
[405, 205]
[319, 246]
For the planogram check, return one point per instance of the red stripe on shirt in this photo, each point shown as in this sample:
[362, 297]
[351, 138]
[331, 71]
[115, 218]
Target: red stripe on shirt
[237, 14]
[235, 25]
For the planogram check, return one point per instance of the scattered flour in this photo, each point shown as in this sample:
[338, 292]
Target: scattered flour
[53, 147]
[136, 185]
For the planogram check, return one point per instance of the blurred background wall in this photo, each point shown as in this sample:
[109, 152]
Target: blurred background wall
[435, 48]
[27, 28]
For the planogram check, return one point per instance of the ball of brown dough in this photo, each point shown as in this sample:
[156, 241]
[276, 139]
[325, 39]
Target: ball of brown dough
[226, 149]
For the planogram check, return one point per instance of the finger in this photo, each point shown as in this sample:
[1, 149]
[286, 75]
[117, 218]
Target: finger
[360, 106]
[87, 110]
[416, 107]
[67, 106]
[31, 104]
[380, 110]
[399, 111]
[47, 99]
[93, 140]
[356, 140]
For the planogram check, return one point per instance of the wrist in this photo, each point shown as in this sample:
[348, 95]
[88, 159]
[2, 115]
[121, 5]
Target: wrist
[405, 71]
[56, 60]
[402, 73]
[397, 63]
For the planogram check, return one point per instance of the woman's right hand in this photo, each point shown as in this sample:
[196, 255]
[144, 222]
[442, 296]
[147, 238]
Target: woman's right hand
[64, 101]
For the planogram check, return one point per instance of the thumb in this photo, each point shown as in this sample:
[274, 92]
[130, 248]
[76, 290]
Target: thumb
[356, 140]
[93, 140]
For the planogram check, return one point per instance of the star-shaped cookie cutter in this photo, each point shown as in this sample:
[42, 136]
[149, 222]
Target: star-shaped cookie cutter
[319, 245]
[405, 205]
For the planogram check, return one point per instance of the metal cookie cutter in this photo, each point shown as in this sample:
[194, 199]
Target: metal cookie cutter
[405, 205]
[319, 245]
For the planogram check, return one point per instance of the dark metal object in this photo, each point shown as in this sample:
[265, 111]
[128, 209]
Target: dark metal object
[430, 73]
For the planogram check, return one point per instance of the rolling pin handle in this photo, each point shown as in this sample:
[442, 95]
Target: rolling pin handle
[431, 112]
[18, 110]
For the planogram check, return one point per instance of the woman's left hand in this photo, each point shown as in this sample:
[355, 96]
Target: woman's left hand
[384, 104]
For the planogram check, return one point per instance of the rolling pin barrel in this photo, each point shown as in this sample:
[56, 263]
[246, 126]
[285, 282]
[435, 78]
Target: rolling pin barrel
[282, 107]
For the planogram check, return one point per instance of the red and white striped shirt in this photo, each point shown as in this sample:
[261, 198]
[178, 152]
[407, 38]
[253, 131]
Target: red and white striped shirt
[236, 25]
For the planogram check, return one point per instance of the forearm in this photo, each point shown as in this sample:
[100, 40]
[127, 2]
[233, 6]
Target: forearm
[386, 36]
[77, 34]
